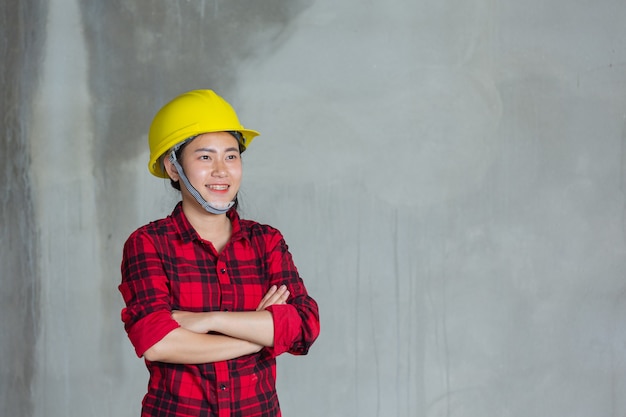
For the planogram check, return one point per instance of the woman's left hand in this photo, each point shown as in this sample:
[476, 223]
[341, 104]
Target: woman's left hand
[275, 295]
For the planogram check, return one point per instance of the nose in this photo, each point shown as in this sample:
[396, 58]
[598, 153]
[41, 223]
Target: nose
[219, 169]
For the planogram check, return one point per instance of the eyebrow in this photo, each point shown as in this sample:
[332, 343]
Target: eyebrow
[213, 150]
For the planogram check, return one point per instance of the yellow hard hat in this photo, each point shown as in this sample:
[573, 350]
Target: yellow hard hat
[191, 114]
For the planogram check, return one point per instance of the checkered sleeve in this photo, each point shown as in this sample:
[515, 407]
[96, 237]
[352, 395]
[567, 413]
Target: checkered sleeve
[147, 315]
[296, 324]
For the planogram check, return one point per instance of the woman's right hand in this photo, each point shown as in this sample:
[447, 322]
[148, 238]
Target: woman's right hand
[275, 295]
[196, 322]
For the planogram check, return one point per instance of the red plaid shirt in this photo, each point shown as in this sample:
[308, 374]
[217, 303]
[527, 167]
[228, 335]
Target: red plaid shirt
[166, 266]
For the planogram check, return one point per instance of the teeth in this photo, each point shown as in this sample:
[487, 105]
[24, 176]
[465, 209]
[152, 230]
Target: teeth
[218, 187]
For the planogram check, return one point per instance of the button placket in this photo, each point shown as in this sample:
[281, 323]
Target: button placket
[225, 285]
[222, 384]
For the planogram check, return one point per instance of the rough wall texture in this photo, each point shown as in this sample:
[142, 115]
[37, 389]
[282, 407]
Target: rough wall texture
[20, 48]
[449, 176]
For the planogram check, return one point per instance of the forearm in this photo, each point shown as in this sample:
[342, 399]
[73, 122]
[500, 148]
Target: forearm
[254, 326]
[186, 347]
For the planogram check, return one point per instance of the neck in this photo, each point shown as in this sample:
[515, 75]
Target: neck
[209, 226]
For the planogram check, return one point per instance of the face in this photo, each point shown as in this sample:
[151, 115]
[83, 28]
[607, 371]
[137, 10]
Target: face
[212, 163]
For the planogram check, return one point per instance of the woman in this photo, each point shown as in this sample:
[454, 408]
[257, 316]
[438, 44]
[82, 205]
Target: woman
[211, 299]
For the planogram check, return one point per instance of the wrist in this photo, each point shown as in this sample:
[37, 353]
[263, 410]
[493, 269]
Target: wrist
[215, 321]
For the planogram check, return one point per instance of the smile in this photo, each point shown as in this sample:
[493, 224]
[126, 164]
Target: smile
[218, 187]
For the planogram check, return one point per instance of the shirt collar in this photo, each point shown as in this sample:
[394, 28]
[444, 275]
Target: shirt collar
[188, 233]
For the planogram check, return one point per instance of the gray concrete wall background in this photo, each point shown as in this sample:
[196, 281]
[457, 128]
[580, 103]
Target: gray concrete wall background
[19, 279]
[449, 177]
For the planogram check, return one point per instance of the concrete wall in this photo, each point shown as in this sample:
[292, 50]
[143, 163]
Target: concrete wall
[449, 176]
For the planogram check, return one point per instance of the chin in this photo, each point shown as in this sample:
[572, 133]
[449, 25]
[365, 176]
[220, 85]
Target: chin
[220, 204]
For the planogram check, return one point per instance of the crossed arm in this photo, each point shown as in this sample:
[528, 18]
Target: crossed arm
[238, 333]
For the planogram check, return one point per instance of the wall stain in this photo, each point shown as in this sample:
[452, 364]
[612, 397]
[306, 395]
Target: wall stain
[140, 55]
[21, 46]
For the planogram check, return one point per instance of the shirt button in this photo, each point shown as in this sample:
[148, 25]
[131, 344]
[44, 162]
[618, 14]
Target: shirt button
[223, 387]
[223, 271]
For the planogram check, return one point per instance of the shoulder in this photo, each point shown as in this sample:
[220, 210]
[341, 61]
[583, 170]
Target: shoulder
[154, 231]
[266, 240]
[261, 235]
[156, 227]
[254, 229]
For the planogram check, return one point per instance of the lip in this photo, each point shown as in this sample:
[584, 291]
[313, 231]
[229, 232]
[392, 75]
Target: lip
[218, 188]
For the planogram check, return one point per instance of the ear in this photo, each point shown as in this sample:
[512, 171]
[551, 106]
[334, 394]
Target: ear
[170, 168]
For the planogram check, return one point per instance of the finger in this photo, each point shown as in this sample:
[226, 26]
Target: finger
[266, 297]
[278, 297]
[269, 300]
[282, 299]
[269, 293]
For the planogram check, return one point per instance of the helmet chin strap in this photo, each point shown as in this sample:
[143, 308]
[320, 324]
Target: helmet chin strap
[205, 204]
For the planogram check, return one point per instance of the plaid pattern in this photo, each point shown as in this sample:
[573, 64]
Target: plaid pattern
[166, 266]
